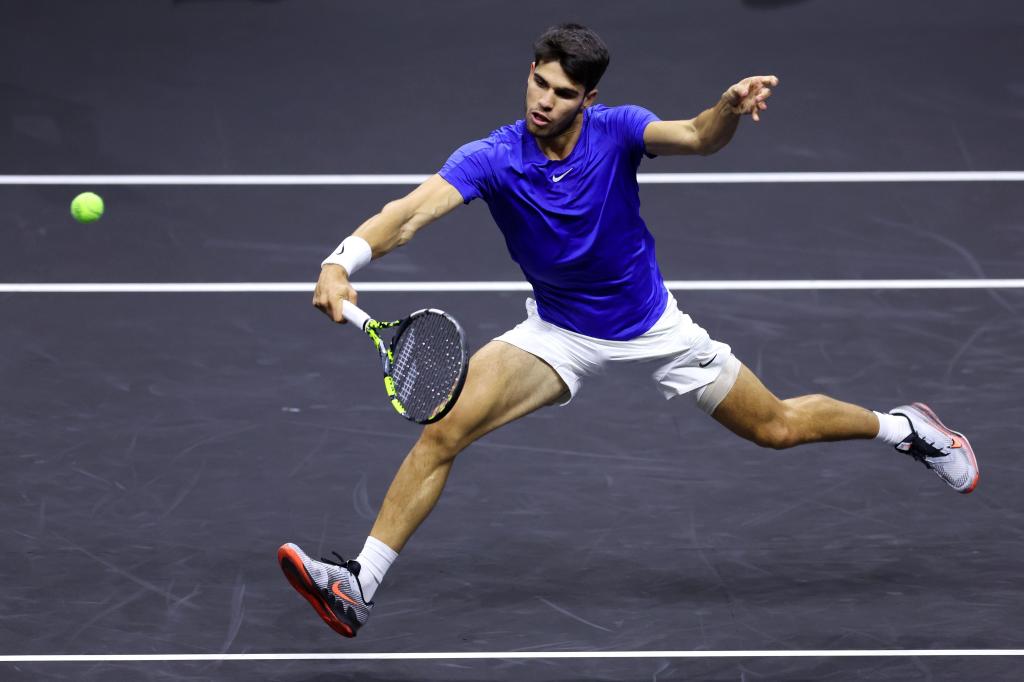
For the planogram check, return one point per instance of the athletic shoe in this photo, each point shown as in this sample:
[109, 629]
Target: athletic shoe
[332, 587]
[946, 452]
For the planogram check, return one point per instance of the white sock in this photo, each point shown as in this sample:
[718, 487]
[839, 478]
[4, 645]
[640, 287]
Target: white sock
[892, 428]
[374, 561]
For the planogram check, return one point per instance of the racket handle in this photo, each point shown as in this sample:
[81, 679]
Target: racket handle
[354, 314]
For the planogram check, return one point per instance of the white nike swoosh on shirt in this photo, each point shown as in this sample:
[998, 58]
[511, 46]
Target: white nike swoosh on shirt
[556, 178]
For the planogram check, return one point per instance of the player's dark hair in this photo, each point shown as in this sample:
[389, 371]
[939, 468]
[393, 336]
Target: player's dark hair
[581, 53]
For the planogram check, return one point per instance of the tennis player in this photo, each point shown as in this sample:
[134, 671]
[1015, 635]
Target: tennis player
[561, 185]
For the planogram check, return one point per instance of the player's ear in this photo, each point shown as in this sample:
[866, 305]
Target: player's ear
[590, 98]
[533, 67]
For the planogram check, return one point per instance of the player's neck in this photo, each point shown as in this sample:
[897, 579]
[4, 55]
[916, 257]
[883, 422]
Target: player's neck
[560, 147]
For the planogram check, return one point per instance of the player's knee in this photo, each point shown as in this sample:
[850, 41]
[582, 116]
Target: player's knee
[442, 441]
[777, 433]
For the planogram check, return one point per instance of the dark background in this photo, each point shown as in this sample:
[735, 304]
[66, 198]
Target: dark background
[302, 86]
[158, 448]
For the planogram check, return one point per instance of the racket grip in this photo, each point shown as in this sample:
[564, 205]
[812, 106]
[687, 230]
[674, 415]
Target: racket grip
[354, 314]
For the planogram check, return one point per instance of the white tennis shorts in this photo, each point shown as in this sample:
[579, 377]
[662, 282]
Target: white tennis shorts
[681, 357]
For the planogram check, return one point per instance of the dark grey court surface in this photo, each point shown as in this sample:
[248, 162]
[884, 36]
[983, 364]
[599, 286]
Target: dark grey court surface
[157, 448]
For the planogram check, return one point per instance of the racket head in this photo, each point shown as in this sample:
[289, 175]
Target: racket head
[429, 359]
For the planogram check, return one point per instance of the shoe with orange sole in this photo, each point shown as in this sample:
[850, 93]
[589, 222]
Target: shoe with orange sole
[331, 587]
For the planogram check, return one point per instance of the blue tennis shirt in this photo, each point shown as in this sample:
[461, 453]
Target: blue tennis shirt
[574, 225]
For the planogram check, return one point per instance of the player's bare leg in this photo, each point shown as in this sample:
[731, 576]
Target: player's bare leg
[752, 411]
[504, 383]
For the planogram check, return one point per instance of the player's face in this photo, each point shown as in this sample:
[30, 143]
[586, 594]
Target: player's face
[553, 100]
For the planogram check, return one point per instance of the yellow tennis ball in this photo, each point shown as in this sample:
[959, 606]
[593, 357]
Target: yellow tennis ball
[87, 207]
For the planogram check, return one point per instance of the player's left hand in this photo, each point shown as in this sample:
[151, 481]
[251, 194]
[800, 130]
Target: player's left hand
[749, 95]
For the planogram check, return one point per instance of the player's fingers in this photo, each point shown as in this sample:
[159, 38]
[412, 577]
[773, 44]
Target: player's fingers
[326, 308]
[350, 295]
[336, 308]
[320, 301]
[743, 105]
[321, 297]
[325, 302]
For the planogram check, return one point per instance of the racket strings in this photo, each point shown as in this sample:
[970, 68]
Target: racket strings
[428, 360]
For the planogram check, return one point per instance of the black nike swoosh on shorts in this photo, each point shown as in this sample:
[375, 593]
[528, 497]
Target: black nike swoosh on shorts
[705, 364]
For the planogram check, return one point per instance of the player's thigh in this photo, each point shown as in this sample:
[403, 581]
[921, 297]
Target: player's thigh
[749, 407]
[503, 383]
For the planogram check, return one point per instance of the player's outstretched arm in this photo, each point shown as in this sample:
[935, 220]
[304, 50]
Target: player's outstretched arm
[713, 128]
[395, 225]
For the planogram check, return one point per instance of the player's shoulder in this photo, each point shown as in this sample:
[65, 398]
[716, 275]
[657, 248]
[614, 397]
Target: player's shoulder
[499, 139]
[621, 125]
[606, 115]
[500, 149]
[511, 133]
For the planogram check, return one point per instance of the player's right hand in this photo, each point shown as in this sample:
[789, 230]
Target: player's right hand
[332, 288]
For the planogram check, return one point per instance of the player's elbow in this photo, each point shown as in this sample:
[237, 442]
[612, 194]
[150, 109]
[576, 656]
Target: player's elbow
[690, 141]
[706, 148]
[700, 139]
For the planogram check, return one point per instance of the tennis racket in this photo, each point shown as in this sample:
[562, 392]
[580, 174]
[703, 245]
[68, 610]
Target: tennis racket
[424, 364]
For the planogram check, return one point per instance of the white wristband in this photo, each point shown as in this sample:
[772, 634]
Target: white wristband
[352, 253]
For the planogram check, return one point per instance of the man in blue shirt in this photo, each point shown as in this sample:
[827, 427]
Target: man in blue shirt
[561, 185]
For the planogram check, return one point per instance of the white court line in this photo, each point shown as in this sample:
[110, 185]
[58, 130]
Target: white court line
[500, 655]
[479, 287]
[643, 178]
